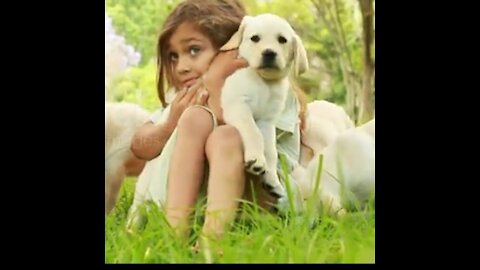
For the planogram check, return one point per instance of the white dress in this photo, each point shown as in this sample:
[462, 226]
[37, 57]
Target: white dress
[152, 182]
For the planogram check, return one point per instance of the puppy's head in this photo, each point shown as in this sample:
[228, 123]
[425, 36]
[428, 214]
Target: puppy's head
[270, 45]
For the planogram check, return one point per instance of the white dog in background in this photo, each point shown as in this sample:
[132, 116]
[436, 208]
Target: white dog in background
[348, 175]
[254, 97]
[324, 121]
[121, 120]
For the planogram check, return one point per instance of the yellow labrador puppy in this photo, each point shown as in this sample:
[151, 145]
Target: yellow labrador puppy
[324, 121]
[121, 120]
[254, 97]
[348, 176]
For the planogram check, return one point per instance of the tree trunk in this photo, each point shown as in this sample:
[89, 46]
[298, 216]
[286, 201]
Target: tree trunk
[366, 95]
[329, 13]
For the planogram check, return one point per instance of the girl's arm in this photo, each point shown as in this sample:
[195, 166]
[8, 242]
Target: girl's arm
[149, 139]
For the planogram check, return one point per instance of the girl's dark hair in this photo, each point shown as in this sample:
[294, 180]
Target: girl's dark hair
[217, 19]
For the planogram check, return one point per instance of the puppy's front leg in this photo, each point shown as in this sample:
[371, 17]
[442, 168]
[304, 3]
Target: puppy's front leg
[270, 180]
[240, 116]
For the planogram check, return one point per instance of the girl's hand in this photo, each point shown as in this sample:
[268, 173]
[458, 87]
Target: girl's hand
[184, 99]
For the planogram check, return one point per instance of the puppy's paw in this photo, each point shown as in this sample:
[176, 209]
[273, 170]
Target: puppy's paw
[341, 213]
[271, 184]
[333, 206]
[282, 205]
[255, 164]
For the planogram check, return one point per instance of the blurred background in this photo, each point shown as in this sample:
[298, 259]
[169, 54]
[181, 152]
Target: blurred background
[339, 36]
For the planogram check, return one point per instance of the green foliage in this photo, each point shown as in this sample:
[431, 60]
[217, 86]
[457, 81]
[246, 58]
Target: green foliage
[137, 85]
[139, 21]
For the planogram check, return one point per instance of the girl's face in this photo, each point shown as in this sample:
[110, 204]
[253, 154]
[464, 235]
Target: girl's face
[189, 54]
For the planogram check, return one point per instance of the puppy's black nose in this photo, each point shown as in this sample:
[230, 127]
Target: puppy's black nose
[268, 56]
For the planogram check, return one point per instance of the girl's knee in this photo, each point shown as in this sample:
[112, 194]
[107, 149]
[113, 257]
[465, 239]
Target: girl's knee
[225, 139]
[195, 120]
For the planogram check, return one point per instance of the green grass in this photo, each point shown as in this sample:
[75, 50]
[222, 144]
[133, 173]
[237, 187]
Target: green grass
[258, 237]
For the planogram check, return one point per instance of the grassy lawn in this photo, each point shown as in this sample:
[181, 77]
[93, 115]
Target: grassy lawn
[258, 237]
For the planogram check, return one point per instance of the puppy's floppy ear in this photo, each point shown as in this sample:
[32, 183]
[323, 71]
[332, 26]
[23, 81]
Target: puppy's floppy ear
[300, 56]
[236, 39]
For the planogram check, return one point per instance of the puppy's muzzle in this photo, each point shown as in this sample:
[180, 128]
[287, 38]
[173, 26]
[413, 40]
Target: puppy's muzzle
[268, 59]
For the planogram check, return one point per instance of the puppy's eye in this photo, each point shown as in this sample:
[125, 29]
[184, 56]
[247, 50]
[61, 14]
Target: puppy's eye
[255, 38]
[282, 40]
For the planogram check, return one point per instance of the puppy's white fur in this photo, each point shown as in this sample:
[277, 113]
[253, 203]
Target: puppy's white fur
[348, 175]
[254, 97]
[121, 121]
[324, 121]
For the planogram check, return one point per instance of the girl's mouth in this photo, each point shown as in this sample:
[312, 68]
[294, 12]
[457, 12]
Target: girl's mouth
[189, 83]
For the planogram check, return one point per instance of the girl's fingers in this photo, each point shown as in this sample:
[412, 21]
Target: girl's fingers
[191, 92]
[203, 97]
[240, 63]
[179, 95]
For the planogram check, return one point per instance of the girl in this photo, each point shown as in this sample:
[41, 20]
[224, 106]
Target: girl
[193, 144]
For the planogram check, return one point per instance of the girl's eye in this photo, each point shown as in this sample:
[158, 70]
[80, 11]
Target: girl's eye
[173, 57]
[194, 50]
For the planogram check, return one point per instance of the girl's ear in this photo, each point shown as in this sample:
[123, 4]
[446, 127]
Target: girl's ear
[236, 38]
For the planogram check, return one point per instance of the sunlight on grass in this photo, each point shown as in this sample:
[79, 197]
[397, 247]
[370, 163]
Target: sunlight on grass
[257, 237]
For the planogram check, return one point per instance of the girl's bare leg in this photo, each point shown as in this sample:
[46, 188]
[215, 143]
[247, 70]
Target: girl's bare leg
[226, 182]
[187, 167]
